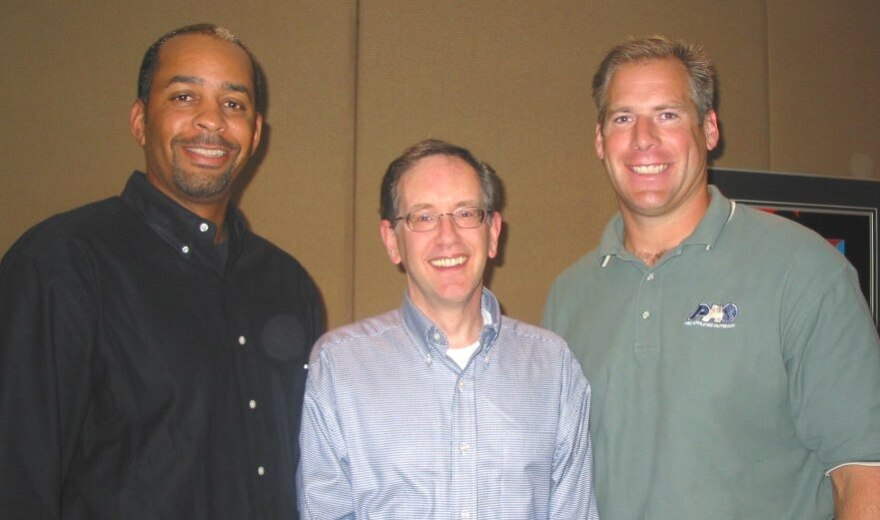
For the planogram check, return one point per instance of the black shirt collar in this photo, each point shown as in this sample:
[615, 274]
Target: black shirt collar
[191, 236]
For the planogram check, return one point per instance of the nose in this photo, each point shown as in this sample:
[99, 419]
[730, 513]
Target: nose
[447, 229]
[644, 135]
[210, 118]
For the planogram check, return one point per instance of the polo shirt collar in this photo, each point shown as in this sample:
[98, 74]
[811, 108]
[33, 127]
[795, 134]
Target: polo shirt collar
[719, 212]
[432, 340]
[189, 235]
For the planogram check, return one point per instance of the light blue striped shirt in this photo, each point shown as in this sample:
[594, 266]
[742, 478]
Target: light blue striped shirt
[394, 429]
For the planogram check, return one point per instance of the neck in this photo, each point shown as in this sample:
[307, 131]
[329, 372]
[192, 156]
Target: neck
[649, 257]
[649, 243]
[461, 324]
[650, 237]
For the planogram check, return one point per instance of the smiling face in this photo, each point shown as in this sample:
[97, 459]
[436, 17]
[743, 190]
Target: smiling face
[444, 267]
[200, 125]
[653, 144]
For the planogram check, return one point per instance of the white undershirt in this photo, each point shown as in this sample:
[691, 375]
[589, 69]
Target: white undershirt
[462, 355]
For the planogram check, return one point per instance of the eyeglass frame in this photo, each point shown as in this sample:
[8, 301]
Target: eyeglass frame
[436, 216]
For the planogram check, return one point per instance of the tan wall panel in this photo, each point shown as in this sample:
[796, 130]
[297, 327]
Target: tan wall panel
[65, 92]
[69, 78]
[824, 79]
[511, 82]
[301, 196]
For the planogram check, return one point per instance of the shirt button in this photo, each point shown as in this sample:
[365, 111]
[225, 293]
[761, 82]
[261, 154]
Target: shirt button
[646, 315]
[252, 404]
[465, 515]
[185, 250]
[436, 336]
[242, 340]
[650, 276]
[261, 471]
[203, 227]
[461, 385]
[464, 447]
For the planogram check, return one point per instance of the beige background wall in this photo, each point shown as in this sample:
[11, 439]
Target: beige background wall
[352, 83]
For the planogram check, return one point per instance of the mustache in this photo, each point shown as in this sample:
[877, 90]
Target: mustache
[206, 140]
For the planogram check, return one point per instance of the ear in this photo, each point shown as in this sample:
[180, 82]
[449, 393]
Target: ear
[258, 132]
[600, 142]
[494, 232]
[136, 121]
[389, 238]
[710, 127]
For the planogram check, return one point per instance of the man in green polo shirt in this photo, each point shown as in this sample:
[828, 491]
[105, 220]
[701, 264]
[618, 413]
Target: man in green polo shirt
[735, 365]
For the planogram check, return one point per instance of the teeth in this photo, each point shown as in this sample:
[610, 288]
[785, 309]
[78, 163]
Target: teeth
[448, 262]
[649, 169]
[209, 152]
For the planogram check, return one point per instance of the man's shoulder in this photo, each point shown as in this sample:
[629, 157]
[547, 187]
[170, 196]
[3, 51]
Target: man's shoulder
[258, 244]
[77, 226]
[578, 273]
[523, 331]
[276, 262]
[765, 236]
[368, 332]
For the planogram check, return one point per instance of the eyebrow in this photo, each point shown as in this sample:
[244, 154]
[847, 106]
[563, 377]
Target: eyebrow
[461, 204]
[195, 80]
[657, 108]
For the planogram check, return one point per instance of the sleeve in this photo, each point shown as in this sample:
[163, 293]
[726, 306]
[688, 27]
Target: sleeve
[572, 494]
[832, 357]
[548, 319]
[323, 479]
[45, 334]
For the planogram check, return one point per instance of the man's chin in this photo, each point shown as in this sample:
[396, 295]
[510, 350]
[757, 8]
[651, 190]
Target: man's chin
[202, 186]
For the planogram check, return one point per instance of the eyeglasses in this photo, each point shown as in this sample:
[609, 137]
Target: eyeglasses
[424, 220]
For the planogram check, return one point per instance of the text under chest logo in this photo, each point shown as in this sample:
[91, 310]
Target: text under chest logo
[714, 316]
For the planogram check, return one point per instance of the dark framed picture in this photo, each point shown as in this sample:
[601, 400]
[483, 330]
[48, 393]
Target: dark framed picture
[844, 211]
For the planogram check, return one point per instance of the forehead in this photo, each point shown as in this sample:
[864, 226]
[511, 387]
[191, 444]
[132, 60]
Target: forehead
[439, 179]
[660, 77]
[206, 57]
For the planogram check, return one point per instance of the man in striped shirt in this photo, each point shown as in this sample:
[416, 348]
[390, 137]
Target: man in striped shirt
[444, 408]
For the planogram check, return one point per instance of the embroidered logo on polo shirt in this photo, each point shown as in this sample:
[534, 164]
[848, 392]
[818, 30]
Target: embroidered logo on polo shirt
[714, 316]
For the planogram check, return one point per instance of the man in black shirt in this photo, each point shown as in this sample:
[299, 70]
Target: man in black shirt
[152, 349]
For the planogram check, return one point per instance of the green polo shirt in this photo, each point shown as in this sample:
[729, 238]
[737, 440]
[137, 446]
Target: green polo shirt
[728, 378]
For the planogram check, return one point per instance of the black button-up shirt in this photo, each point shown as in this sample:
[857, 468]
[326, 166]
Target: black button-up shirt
[147, 373]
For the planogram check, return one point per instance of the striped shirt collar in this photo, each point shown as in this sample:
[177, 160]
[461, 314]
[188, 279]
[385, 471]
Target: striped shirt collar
[432, 340]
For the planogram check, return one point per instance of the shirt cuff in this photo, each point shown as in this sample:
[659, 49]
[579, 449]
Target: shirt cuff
[875, 464]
